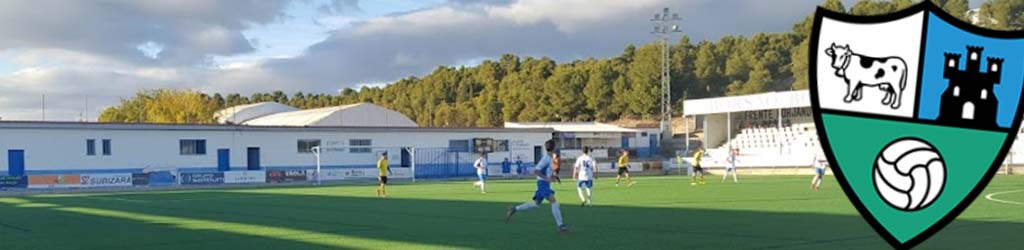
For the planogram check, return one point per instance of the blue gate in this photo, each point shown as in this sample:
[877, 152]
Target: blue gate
[16, 162]
[253, 158]
[436, 163]
[223, 159]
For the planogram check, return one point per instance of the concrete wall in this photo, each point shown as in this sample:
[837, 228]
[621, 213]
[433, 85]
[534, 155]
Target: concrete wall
[715, 131]
[64, 150]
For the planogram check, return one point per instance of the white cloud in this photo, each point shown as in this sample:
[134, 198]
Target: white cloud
[93, 50]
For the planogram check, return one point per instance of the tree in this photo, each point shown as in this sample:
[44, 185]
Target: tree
[218, 101]
[957, 8]
[1002, 14]
[565, 88]
[708, 69]
[645, 81]
[163, 106]
[798, 56]
[598, 90]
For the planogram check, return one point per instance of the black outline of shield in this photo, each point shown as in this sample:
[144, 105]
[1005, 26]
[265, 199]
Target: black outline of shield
[927, 7]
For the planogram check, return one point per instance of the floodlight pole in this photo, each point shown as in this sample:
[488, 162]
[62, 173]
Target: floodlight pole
[664, 25]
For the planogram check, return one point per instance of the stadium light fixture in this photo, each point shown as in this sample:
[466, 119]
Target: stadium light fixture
[664, 25]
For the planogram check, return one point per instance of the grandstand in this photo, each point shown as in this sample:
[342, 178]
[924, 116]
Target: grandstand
[771, 130]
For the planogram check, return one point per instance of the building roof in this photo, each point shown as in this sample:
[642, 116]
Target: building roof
[50, 125]
[242, 113]
[353, 115]
[594, 127]
[764, 101]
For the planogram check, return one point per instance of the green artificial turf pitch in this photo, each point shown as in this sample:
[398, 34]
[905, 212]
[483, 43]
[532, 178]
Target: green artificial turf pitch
[760, 212]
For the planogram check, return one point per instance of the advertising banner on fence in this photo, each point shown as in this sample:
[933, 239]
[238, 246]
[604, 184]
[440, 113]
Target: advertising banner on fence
[106, 180]
[355, 173]
[163, 178]
[202, 178]
[13, 181]
[279, 176]
[329, 174]
[612, 166]
[54, 181]
[232, 177]
[140, 179]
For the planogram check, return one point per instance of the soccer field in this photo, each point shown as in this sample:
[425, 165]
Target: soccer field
[761, 212]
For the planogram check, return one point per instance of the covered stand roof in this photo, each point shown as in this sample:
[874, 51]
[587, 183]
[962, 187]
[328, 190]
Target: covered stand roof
[765, 101]
[242, 113]
[353, 115]
[594, 127]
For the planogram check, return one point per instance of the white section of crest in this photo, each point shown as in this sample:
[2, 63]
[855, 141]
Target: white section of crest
[243, 113]
[353, 115]
[765, 101]
[992, 197]
[900, 38]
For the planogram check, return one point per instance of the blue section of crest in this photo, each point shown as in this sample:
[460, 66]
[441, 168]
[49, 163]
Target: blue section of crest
[937, 91]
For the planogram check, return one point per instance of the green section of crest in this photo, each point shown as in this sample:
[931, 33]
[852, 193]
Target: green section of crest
[856, 141]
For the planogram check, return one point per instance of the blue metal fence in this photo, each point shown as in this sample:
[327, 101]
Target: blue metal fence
[436, 163]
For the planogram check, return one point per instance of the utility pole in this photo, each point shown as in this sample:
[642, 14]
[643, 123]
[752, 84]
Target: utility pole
[44, 107]
[664, 25]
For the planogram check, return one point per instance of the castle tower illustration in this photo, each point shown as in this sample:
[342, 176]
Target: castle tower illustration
[969, 99]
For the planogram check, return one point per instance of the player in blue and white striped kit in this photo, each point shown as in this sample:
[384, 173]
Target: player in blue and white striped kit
[544, 175]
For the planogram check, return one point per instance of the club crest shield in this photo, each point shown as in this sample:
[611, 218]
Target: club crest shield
[915, 110]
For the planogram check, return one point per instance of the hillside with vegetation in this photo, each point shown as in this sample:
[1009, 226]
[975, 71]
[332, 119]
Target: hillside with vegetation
[514, 88]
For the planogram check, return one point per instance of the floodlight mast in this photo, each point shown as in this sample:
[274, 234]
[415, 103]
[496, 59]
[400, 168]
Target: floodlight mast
[664, 25]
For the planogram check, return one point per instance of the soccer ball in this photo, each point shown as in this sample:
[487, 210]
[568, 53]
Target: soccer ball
[909, 174]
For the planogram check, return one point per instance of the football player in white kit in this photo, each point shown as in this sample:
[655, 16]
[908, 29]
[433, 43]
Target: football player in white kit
[820, 163]
[583, 172]
[544, 175]
[731, 167]
[481, 172]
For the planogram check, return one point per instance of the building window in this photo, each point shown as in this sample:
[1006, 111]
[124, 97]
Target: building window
[106, 146]
[500, 145]
[193, 147]
[571, 143]
[458, 146]
[360, 143]
[307, 145]
[90, 147]
[984, 94]
[956, 91]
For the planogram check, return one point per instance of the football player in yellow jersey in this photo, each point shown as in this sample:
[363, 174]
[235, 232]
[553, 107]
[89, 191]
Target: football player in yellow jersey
[623, 165]
[382, 179]
[697, 169]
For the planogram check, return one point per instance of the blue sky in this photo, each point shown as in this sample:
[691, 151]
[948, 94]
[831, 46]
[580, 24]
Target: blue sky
[100, 53]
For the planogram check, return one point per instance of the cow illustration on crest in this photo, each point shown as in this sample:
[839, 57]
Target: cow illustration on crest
[947, 119]
[889, 74]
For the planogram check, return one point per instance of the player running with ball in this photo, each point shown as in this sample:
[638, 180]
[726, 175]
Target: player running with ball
[544, 173]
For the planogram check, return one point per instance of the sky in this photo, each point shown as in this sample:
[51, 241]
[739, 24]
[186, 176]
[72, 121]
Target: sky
[76, 58]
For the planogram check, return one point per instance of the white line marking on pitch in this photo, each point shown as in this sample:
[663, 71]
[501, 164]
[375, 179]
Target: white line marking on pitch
[992, 196]
[115, 199]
